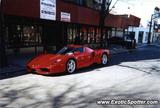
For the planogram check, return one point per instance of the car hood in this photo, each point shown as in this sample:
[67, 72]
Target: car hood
[44, 60]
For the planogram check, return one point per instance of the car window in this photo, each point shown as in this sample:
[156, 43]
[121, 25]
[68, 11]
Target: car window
[80, 49]
[66, 50]
[88, 50]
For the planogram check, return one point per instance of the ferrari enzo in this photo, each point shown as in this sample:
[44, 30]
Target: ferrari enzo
[68, 59]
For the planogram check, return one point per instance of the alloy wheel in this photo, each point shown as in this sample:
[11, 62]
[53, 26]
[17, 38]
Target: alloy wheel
[104, 59]
[71, 66]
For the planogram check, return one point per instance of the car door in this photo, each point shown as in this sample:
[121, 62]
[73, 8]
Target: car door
[84, 57]
[89, 56]
[80, 57]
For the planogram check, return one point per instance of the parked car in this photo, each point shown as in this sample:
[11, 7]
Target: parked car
[116, 40]
[68, 59]
[130, 42]
[125, 42]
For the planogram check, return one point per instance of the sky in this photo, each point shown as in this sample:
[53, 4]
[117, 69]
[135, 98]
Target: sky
[139, 8]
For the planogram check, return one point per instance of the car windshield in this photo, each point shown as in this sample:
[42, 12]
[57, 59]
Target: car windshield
[66, 50]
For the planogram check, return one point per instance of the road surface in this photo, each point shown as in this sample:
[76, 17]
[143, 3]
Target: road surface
[129, 77]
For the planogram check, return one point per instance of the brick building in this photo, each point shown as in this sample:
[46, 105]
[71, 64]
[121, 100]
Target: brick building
[38, 24]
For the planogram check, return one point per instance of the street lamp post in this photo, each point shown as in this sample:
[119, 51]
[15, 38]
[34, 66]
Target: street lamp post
[3, 58]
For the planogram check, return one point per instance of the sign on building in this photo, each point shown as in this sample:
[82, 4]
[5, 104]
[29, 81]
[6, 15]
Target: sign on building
[48, 9]
[66, 17]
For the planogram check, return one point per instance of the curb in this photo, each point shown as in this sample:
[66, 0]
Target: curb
[154, 45]
[120, 52]
[18, 70]
[12, 71]
[9, 74]
[148, 45]
[129, 50]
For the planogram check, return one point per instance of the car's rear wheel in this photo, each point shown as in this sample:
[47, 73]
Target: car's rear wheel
[71, 66]
[104, 59]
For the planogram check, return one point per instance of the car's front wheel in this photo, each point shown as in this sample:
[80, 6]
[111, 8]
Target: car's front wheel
[71, 66]
[104, 59]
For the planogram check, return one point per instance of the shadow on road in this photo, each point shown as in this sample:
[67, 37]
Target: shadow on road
[73, 96]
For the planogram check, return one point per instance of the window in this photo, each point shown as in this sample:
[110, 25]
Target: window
[72, 33]
[69, 34]
[78, 2]
[91, 35]
[94, 4]
[140, 37]
[80, 49]
[119, 32]
[66, 50]
[146, 37]
[79, 34]
[23, 36]
[98, 35]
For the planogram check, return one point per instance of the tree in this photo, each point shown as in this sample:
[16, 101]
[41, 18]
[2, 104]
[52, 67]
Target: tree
[104, 12]
[3, 59]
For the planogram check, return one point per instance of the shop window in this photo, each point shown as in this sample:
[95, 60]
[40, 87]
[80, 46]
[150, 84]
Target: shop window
[72, 33]
[69, 34]
[98, 35]
[113, 32]
[85, 35]
[109, 33]
[104, 34]
[91, 34]
[23, 36]
[119, 32]
[81, 35]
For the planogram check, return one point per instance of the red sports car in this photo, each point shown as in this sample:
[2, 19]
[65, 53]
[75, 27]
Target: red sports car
[68, 59]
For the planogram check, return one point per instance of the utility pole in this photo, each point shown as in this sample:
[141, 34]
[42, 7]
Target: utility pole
[150, 27]
[3, 58]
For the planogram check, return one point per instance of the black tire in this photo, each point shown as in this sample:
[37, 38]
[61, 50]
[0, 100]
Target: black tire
[71, 66]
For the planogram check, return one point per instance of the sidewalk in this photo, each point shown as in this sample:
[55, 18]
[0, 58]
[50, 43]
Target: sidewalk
[11, 69]
[17, 64]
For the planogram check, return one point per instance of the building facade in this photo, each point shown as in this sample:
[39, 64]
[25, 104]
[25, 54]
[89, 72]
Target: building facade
[35, 25]
[140, 34]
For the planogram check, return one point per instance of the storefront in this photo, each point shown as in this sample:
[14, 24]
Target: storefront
[31, 27]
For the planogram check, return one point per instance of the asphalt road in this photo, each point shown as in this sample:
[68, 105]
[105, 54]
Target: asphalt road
[131, 78]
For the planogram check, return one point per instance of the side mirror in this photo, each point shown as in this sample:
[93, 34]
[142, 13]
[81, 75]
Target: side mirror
[77, 52]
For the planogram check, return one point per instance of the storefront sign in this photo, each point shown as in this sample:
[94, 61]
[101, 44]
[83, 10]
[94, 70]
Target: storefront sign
[66, 17]
[48, 9]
